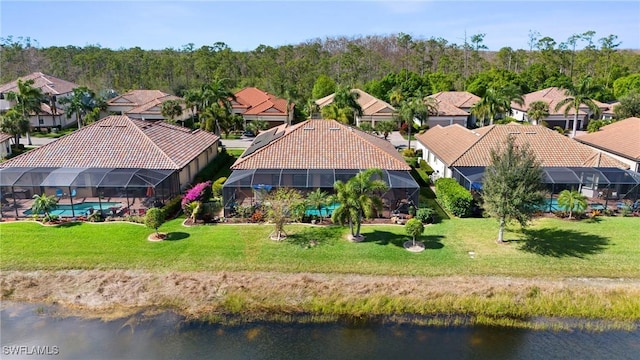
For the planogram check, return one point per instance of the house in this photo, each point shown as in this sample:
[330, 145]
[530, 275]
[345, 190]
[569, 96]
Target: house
[374, 110]
[456, 152]
[314, 154]
[552, 96]
[254, 104]
[52, 114]
[620, 140]
[454, 107]
[116, 156]
[5, 145]
[143, 105]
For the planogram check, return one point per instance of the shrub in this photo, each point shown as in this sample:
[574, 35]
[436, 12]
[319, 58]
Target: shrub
[453, 197]
[257, 216]
[217, 186]
[172, 207]
[245, 211]
[424, 166]
[409, 153]
[425, 215]
[154, 218]
[198, 192]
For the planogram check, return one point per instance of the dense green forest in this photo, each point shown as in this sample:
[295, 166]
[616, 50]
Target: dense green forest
[377, 64]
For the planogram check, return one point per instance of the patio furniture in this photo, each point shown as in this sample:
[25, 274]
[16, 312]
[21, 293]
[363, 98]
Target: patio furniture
[59, 193]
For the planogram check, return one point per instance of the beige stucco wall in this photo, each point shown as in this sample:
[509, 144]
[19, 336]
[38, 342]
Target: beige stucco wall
[196, 165]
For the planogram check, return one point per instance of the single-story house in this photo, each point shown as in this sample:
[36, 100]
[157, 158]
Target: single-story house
[143, 105]
[552, 96]
[457, 152]
[314, 154]
[374, 110]
[454, 107]
[5, 145]
[620, 140]
[116, 157]
[52, 114]
[255, 104]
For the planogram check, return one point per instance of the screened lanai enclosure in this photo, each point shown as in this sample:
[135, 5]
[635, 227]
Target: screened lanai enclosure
[113, 191]
[601, 185]
[245, 187]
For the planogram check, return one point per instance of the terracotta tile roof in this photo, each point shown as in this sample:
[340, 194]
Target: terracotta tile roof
[449, 142]
[551, 148]
[621, 138]
[120, 142]
[154, 106]
[4, 137]
[459, 99]
[370, 105]
[47, 83]
[253, 101]
[553, 96]
[136, 98]
[323, 144]
[446, 108]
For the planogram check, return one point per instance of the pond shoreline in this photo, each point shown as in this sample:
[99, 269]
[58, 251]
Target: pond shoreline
[219, 297]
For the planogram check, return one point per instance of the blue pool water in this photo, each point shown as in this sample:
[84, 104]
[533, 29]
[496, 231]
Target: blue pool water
[326, 211]
[552, 205]
[67, 210]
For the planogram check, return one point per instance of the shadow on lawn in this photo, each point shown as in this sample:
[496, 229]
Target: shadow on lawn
[386, 237]
[176, 235]
[315, 236]
[561, 243]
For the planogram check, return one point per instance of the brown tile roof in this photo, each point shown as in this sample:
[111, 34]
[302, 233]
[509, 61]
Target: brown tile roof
[4, 137]
[621, 138]
[118, 141]
[136, 98]
[459, 99]
[154, 106]
[550, 148]
[47, 83]
[446, 108]
[324, 144]
[553, 96]
[253, 101]
[370, 105]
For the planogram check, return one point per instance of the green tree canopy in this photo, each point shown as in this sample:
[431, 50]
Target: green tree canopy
[629, 106]
[582, 94]
[323, 86]
[572, 200]
[512, 188]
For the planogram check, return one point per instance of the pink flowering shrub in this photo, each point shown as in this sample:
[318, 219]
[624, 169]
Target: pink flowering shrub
[196, 193]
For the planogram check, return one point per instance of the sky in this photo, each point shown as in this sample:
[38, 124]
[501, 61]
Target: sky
[244, 25]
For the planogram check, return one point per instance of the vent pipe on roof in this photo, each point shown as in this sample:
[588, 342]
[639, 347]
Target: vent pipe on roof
[309, 128]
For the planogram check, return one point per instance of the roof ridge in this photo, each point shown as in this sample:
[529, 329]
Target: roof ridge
[261, 149]
[480, 136]
[368, 139]
[153, 143]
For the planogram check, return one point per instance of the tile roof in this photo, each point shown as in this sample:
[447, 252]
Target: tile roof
[153, 106]
[459, 99]
[621, 137]
[553, 96]
[446, 108]
[370, 105]
[118, 141]
[323, 144]
[457, 148]
[253, 101]
[47, 83]
[4, 137]
[136, 98]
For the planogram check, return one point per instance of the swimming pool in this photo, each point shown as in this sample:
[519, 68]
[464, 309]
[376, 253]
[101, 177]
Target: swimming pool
[326, 211]
[551, 205]
[80, 209]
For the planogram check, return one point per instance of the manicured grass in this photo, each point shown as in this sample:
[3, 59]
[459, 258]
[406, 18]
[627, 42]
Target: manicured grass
[608, 247]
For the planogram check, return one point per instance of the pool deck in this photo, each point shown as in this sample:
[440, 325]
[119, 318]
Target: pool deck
[137, 206]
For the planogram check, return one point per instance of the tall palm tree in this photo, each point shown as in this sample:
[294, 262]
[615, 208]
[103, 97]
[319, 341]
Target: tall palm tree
[12, 122]
[216, 95]
[82, 101]
[28, 101]
[333, 112]
[358, 198]
[497, 102]
[572, 200]
[411, 109]
[576, 96]
[538, 110]
[431, 107]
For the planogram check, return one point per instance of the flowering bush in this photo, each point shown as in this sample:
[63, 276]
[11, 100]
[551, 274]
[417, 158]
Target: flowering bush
[196, 193]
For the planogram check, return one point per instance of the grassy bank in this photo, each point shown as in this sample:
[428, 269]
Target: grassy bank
[555, 268]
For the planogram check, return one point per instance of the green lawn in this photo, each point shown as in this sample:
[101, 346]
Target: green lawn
[609, 247]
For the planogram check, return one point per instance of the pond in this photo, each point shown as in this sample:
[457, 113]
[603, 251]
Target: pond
[29, 329]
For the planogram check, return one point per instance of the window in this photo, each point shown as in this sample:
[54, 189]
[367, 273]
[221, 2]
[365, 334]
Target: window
[40, 121]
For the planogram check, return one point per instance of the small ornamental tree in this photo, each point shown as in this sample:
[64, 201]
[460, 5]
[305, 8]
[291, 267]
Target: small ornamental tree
[572, 200]
[512, 187]
[44, 204]
[414, 228]
[279, 205]
[198, 193]
[154, 218]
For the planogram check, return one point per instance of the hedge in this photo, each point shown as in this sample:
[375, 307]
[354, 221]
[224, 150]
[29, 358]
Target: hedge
[454, 197]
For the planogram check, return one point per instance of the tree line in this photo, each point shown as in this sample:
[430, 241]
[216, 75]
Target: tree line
[376, 64]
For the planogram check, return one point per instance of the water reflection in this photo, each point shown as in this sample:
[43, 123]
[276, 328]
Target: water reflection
[168, 336]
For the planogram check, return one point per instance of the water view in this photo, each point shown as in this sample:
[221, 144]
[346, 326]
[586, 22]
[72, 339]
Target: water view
[28, 328]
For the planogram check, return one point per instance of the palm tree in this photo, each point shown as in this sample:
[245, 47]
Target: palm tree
[572, 200]
[358, 198]
[82, 101]
[576, 96]
[411, 109]
[319, 200]
[28, 101]
[431, 107]
[333, 112]
[171, 109]
[538, 110]
[311, 108]
[385, 127]
[497, 102]
[347, 99]
[44, 204]
[217, 95]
